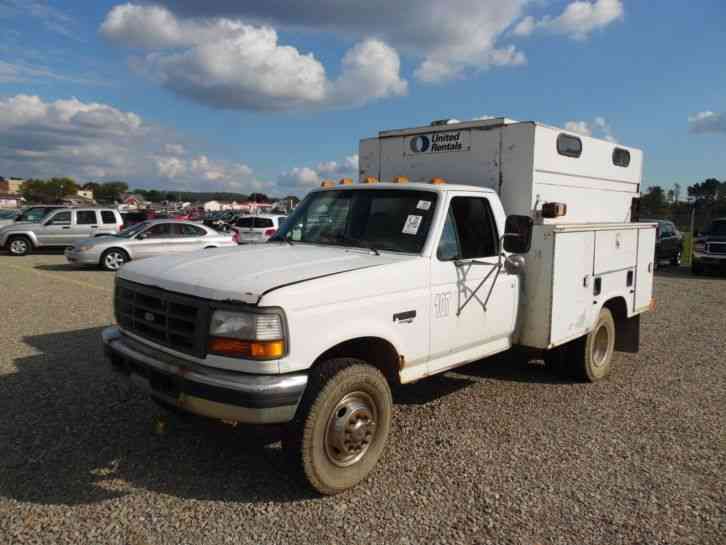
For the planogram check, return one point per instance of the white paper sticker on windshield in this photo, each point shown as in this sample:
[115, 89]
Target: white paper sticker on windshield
[423, 205]
[412, 225]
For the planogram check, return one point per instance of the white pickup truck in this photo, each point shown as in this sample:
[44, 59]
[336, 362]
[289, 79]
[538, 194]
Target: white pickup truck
[414, 271]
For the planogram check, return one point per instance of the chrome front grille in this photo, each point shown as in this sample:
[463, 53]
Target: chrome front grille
[717, 247]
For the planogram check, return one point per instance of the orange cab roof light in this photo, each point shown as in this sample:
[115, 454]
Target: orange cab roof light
[400, 179]
[369, 180]
[438, 181]
[327, 183]
[345, 181]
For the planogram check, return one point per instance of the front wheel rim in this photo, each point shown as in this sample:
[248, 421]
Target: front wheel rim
[18, 246]
[351, 429]
[114, 260]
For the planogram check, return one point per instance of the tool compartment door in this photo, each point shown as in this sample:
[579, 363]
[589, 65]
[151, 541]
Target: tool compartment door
[572, 286]
[644, 272]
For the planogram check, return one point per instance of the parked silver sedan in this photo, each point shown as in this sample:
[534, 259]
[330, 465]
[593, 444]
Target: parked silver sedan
[146, 239]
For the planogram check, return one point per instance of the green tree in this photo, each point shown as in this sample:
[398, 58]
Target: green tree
[707, 191]
[259, 197]
[654, 202]
[111, 191]
[48, 191]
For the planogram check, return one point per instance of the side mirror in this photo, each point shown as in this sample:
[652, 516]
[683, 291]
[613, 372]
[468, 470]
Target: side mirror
[517, 238]
[141, 236]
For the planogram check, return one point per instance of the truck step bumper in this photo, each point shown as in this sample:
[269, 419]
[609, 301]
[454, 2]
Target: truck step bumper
[222, 395]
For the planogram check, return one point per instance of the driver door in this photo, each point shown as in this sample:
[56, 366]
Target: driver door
[467, 322]
[56, 230]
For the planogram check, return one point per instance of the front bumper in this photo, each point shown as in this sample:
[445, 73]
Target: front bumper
[81, 258]
[710, 259]
[223, 395]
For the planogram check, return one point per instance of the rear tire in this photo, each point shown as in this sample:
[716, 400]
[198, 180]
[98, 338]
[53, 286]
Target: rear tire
[19, 246]
[113, 259]
[342, 425]
[592, 355]
[696, 267]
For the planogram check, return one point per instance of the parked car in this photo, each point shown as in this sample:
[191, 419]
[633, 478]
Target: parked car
[709, 247]
[669, 242]
[60, 228]
[146, 239]
[132, 218]
[257, 229]
[8, 216]
[34, 214]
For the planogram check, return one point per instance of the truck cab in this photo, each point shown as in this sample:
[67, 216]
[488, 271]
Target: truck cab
[369, 285]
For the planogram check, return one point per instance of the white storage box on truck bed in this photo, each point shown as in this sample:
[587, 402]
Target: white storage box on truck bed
[526, 163]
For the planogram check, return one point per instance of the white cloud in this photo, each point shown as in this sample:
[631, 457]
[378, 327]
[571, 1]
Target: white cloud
[302, 179]
[95, 141]
[226, 64]
[579, 19]
[599, 128]
[705, 122]
[52, 18]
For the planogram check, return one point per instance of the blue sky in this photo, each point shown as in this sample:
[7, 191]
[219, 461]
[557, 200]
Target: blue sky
[225, 95]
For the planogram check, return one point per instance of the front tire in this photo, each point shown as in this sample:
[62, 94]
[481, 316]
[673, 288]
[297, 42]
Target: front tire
[593, 354]
[696, 267]
[342, 425]
[19, 246]
[113, 259]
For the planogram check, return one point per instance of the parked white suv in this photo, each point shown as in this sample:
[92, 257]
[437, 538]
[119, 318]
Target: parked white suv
[257, 229]
[59, 229]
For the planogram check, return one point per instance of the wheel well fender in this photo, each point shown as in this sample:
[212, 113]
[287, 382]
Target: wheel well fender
[24, 234]
[376, 351]
[627, 330]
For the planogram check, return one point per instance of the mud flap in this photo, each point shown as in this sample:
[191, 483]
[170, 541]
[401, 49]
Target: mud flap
[627, 335]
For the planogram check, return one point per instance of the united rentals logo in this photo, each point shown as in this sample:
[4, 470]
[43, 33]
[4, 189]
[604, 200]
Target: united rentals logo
[438, 142]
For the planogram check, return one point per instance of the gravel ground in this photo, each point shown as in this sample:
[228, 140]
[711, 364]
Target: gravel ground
[496, 452]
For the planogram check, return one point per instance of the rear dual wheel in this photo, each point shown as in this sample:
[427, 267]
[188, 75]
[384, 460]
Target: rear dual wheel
[588, 358]
[341, 426]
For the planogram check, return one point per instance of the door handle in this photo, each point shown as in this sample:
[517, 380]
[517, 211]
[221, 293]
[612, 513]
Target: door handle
[94, 226]
[65, 227]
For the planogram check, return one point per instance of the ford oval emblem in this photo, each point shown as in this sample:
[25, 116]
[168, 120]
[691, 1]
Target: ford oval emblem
[149, 317]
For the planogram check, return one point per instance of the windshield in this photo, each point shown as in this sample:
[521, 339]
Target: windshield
[717, 228]
[133, 230]
[35, 214]
[8, 214]
[380, 219]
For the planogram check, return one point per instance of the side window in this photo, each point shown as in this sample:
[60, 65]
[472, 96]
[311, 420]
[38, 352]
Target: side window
[108, 217]
[470, 231]
[569, 146]
[263, 223]
[61, 218]
[160, 230]
[185, 230]
[448, 249]
[86, 217]
[621, 157]
[244, 222]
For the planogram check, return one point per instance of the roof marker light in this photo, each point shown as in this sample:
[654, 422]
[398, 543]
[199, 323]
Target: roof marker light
[345, 181]
[327, 183]
[438, 181]
[400, 179]
[369, 180]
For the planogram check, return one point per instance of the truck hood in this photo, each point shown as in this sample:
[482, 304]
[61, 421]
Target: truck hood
[246, 273]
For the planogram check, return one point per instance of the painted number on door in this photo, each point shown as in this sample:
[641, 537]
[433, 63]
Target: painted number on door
[441, 304]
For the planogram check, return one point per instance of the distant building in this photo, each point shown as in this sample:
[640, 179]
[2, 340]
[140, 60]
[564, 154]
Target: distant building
[212, 206]
[10, 200]
[11, 186]
[85, 194]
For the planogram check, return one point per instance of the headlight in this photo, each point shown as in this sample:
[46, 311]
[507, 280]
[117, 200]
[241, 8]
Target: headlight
[247, 335]
[700, 246]
[84, 247]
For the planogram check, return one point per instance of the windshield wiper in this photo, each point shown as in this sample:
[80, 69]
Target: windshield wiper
[357, 243]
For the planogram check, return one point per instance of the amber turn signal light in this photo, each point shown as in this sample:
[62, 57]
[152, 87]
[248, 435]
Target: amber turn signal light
[254, 350]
